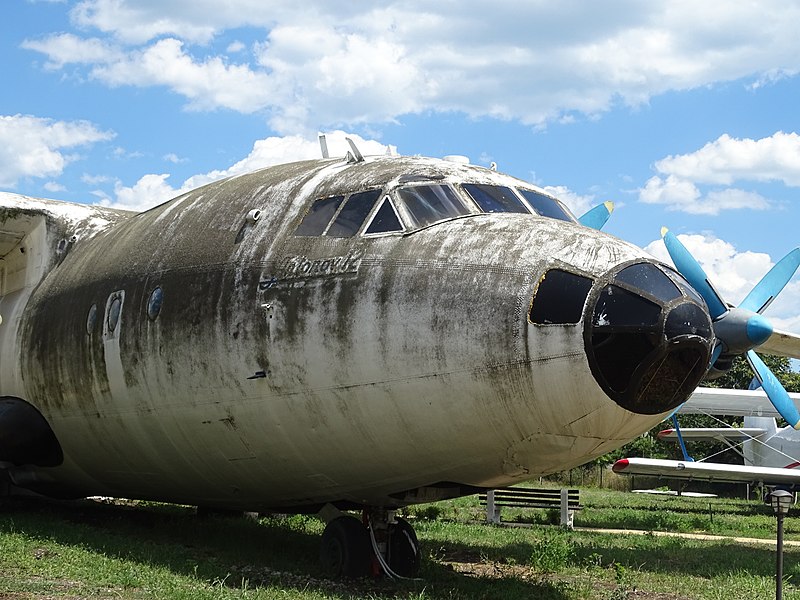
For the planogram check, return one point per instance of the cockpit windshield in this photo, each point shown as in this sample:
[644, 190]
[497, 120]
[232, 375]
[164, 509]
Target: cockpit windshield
[428, 204]
[410, 207]
[547, 206]
[495, 198]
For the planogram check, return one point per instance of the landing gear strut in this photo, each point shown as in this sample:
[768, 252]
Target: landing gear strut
[382, 543]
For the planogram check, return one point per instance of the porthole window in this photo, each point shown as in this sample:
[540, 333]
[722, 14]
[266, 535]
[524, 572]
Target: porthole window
[91, 319]
[113, 314]
[154, 303]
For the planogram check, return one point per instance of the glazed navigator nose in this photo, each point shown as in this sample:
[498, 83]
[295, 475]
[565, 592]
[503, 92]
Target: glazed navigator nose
[649, 339]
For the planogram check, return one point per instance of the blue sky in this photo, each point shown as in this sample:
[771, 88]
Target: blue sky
[682, 113]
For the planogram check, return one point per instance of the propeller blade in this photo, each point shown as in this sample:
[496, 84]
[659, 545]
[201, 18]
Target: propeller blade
[694, 274]
[775, 391]
[597, 216]
[716, 353]
[761, 296]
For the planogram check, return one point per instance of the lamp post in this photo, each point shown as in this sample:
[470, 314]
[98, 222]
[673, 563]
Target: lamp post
[780, 501]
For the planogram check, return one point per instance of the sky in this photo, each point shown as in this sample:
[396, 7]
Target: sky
[683, 113]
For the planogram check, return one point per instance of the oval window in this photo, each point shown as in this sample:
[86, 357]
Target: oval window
[113, 314]
[154, 303]
[91, 319]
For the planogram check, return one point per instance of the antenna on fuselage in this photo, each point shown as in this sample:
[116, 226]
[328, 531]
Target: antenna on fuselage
[323, 146]
[354, 155]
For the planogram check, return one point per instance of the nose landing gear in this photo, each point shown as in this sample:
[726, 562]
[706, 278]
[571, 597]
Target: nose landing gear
[381, 543]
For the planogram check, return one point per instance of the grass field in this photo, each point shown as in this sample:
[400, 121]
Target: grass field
[138, 550]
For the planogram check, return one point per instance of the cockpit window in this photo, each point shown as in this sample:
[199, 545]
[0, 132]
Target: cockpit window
[649, 279]
[385, 220]
[352, 216]
[620, 308]
[559, 299]
[685, 286]
[547, 206]
[318, 216]
[428, 204]
[495, 198]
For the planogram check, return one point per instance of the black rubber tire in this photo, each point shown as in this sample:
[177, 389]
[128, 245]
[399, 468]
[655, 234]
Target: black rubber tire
[404, 555]
[345, 548]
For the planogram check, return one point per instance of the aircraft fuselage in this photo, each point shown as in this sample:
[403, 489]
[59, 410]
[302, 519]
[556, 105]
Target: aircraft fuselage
[204, 352]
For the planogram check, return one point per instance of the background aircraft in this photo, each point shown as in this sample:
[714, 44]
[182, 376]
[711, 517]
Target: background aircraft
[771, 454]
[358, 333]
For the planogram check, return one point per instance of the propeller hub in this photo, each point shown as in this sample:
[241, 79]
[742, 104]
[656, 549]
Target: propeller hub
[741, 329]
[758, 329]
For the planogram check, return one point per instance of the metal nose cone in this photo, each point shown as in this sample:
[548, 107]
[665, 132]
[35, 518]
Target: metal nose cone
[758, 329]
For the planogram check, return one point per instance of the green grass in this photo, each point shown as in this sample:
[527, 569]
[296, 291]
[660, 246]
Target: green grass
[87, 550]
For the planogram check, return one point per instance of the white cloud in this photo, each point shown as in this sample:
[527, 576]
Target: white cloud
[149, 191]
[734, 274]
[174, 158]
[323, 65]
[66, 48]
[683, 195]
[207, 85]
[154, 189]
[33, 147]
[723, 162]
[137, 22]
[53, 187]
[95, 179]
[727, 159]
[279, 150]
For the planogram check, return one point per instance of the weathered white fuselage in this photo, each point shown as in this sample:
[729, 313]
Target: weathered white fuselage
[286, 371]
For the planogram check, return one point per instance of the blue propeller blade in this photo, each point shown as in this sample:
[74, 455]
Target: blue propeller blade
[694, 274]
[772, 283]
[775, 391]
[597, 216]
[716, 353]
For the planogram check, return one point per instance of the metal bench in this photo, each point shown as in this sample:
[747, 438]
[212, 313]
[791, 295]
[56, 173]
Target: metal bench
[568, 501]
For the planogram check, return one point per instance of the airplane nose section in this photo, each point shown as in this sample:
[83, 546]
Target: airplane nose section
[650, 338]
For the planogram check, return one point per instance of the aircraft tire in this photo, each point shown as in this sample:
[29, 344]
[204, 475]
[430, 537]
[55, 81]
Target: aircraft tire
[345, 548]
[404, 552]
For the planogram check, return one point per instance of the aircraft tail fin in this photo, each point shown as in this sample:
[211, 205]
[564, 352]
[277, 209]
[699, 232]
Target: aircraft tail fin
[756, 452]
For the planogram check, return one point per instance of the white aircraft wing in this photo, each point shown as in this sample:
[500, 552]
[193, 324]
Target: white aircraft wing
[700, 471]
[735, 403]
[782, 343]
[712, 434]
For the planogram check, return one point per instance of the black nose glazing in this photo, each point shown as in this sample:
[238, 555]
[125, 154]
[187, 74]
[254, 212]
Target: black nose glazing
[649, 339]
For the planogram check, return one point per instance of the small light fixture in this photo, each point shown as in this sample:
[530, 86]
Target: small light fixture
[780, 500]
